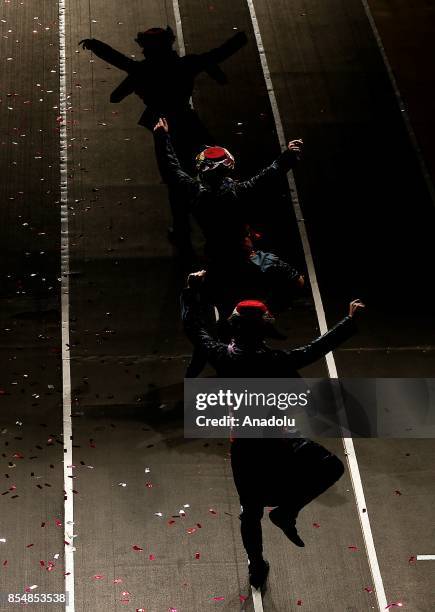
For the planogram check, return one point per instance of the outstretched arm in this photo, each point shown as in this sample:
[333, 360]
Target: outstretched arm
[168, 163]
[108, 54]
[305, 355]
[198, 316]
[123, 90]
[278, 168]
[204, 61]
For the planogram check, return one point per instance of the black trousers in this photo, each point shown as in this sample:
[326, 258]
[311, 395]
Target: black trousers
[310, 471]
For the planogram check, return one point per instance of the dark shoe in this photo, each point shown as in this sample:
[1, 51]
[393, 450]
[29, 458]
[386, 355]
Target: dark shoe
[288, 525]
[258, 572]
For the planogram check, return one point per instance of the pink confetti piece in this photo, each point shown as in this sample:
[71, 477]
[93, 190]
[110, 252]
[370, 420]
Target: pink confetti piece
[412, 560]
[191, 530]
[394, 604]
[354, 548]
[149, 485]
[98, 577]
[140, 610]
[218, 598]
[137, 548]
[152, 557]
[316, 525]
[125, 594]
[243, 598]
[58, 523]
[368, 589]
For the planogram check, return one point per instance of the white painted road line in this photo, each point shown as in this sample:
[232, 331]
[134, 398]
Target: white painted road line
[66, 369]
[400, 102]
[330, 361]
[425, 557]
[257, 600]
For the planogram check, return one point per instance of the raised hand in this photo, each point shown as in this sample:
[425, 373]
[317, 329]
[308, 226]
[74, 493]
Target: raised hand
[161, 124]
[355, 306]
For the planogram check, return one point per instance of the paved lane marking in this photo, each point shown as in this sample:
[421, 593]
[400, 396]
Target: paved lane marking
[256, 595]
[318, 303]
[400, 102]
[257, 600]
[425, 557]
[66, 368]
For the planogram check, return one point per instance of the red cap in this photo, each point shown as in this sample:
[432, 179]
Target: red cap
[251, 307]
[215, 153]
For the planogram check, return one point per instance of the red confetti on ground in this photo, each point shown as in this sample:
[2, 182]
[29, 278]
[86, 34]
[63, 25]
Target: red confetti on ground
[299, 602]
[197, 555]
[149, 485]
[397, 492]
[98, 577]
[117, 581]
[42, 524]
[50, 566]
[243, 598]
[316, 525]
[125, 594]
[353, 548]
[42, 563]
[137, 548]
[171, 522]
[29, 545]
[58, 523]
[18, 456]
[152, 558]
[368, 589]
[140, 610]
[5, 562]
[191, 530]
[199, 525]
[218, 598]
[412, 559]
[212, 511]
[394, 604]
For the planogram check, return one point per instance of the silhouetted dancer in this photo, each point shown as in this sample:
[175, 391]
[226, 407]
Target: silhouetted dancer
[223, 209]
[164, 81]
[287, 473]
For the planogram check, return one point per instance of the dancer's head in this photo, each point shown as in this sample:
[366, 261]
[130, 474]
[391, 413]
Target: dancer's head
[156, 41]
[213, 163]
[251, 321]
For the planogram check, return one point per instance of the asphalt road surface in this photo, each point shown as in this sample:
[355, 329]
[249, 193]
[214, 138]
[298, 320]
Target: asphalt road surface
[156, 515]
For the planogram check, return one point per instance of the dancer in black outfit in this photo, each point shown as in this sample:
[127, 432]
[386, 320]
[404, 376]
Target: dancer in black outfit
[223, 209]
[285, 473]
[164, 81]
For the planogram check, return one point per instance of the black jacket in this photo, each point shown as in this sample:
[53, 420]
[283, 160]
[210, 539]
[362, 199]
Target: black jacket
[165, 84]
[261, 361]
[222, 211]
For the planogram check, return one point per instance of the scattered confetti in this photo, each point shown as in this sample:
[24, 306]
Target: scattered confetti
[137, 548]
